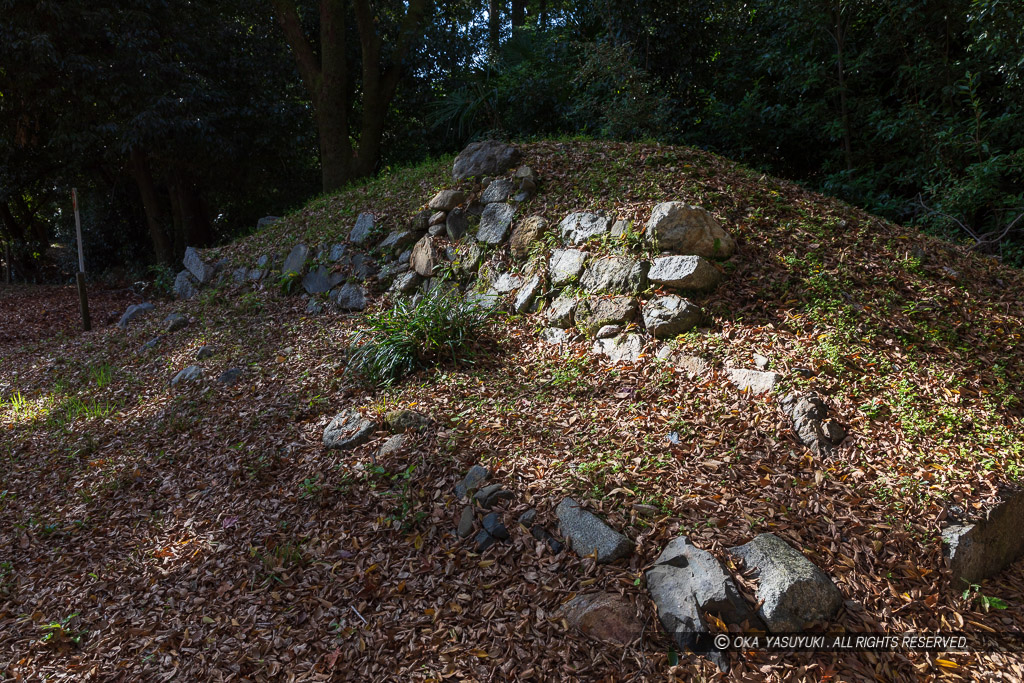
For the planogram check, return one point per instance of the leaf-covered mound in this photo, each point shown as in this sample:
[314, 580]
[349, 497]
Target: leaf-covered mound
[203, 532]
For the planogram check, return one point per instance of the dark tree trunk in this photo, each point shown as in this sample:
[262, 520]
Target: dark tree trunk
[518, 13]
[152, 205]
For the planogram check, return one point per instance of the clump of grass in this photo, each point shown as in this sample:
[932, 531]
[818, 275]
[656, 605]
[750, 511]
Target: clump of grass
[409, 336]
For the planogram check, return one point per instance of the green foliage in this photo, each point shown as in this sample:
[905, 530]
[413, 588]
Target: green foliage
[407, 336]
[973, 594]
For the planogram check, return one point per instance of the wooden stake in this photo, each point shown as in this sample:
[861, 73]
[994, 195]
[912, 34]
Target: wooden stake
[83, 301]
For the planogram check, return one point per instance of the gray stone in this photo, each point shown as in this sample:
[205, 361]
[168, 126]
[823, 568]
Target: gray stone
[315, 281]
[760, 362]
[607, 617]
[189, 374]
[437, 218]
[347, 430]
[507, 282]
[987, 545]
[495, 223]
[337, 251]
[489, 496]
[593, 314]
[132, 312]
[420, 221]
[807, 413]
[314, 307]
[238, 275]
[484, 541]
[620, 228]
[684, 272]
[645, 510]
[753, 382]
[683, 229]
[174, 322]
[349, 297]
[363, 228]
[263, 261]
[566, 265]
[295, 263]
[185, 285]
[456, 224]
[669, 316]
[397, 240]
[151, 344]
[446, 200]
[425, 256]
[256, 274]
[526, 294]
[560, 313]
[623, 348]
[587, 534]
[615, 275]
[393, 444]
[406, 283]
[266, 222]
[477, 475]
[520, 197]
[362, 266]
[497, 191]
[525, 234]
[527, 518]
[392, 270]
[577, 228]
[436, 230]
[468, 257]
[205, 352]
[791, 590]
[334, 279]
[403, 419]
[195, 265]
[493, 526]
[608, 331]
[229, 377]
[555, 335]
[488, 157]
[466, 520]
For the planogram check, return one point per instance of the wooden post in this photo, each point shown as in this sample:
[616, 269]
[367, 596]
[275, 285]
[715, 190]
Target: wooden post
[83, 301]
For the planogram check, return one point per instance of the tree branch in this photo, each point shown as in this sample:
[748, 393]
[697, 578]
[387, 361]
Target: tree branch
[305, 59]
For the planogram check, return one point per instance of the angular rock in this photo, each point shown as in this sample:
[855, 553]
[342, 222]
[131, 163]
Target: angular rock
[684, 272]
[457, 224]
[753, 382]
[555, 335]
[484, 541]
[314, 307]
[608, 331]
[394, 444]
[406, 283]
[669, 316]
[808, 413]
[683, 229]
[132, 312]
[362, 266]
[195, 265]
[615, 275]
[495, 222]
[526, 519]
[507, 282]
[363, 228]
[185, 285]
[349, 297]
[493, 526]
[230, 376]
[151, 344]
[437, 219]
[593, 314]
[189, 374]
[392, 270]
[620, 228]
[525, 234]
[316, 281]
[607, 617]
[987, 545]
[791, 589]
[525, 173]
[238, 275]
[622, 348]
[403, 419]
[488, 157]
[256, 274]
[477, 476]
[579, 227]
[175, 321]
[425, 257]
[468, 257]
[497, 191]
[526, 294]
[566, 265]
[484, 300]
[560, 313]
[347, 430]
[446, 200]
[466, 520]
[205, 352]
[266, 222]
[489, 496]
[760, 362]
[588, 534]
[541, 534]
[397, 240]
[295, 263]
[337, 251]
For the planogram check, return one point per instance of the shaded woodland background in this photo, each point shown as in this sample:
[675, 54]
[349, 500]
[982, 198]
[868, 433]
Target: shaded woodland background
[182, 123]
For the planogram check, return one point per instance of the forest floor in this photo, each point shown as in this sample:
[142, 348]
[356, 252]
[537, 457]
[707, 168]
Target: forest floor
[202, 532]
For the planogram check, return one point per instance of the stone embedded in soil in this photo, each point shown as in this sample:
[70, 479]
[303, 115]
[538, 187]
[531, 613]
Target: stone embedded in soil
[189, 374]
[295, 262]
[347, 430]
[669, 316]
[624, 348]
[753, 382]
[983, 547]
[489, 496]
[495, 223]
[484, 541]
[230, 376]
[466, 520]
[492, 523]
[684, 272]
[579, 227]
[683, 229]
[363, 228]
[477, 476]
[566, 265]
[608, 617]
[588, 534]
[174, 322]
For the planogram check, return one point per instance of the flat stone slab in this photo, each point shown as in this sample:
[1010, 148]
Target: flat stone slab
[499, 190]
[566, 265]
[980, 550]
[608, 617]
[753, 382]
[295, 262]
[615, 275]
[579, 227]
[588, 534]
[495, 223]
[195, 265]
[620, 348]
[791, 589]
[347, 430]
[361, 231]
[684, 272]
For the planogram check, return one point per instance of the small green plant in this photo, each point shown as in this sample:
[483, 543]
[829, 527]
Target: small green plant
[289, 282]
[409, 336]
[163, 279]
[59, 633]
[973, 594]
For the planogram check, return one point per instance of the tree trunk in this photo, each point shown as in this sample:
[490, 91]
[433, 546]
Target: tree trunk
[542, 14]
[840, 40]
[518, 14]
[151, 204]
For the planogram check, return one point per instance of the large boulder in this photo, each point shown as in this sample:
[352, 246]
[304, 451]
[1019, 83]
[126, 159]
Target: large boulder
[566, 265]
[683, 229]
[488, 157]
[194, 264]
[316, 281]
[588, 534]
[684, 272]
[446, 200]
[791, 590]
[671, 315]
[425, 257]
[349, 297]
[266, 222]
[525, 234]
[579, 227]
[625, 347]
[295, 262]
[593, 314]
[347, 430]
[983, 547]
[607, 617]
[495, 222]
[615, 275]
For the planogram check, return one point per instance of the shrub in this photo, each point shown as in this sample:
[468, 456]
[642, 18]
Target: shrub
[409, 336]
